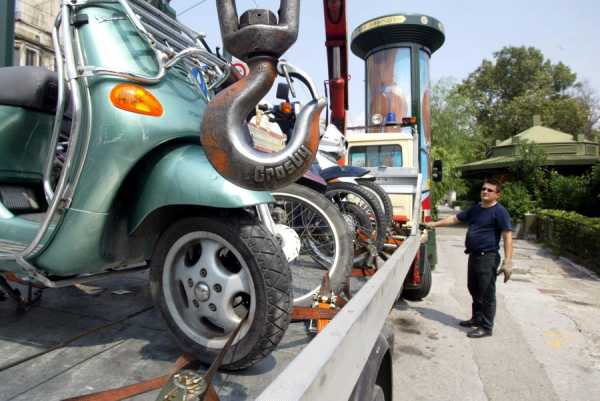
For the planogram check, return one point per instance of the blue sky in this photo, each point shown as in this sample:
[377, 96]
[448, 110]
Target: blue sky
[567, 31]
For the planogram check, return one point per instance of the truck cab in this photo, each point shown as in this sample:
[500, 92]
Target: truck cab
[390, 157]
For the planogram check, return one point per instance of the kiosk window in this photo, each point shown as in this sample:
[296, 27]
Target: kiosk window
[376, 155]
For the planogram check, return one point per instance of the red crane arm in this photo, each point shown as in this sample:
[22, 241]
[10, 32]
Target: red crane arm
[336, 33]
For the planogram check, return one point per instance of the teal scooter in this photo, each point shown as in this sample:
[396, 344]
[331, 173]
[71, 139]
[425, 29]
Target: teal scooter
[102, 171]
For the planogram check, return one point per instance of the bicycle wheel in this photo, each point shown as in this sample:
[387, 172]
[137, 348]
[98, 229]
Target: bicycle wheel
[325, 240]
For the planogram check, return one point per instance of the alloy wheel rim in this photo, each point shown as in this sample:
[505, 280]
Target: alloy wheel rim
[208, 288]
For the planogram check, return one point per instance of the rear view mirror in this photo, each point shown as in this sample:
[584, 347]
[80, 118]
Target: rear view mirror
[283, 91]
[437, 171]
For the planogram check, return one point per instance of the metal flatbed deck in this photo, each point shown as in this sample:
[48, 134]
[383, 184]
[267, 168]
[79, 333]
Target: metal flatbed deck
[140, 347]
[137, 349]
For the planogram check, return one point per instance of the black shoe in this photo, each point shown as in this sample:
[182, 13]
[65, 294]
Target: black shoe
[479, 332]
[469, 323]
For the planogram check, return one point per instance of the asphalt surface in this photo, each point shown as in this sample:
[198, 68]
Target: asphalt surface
[546, 340]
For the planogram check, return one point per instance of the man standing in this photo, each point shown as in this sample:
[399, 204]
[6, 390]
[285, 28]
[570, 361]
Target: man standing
[487, 221]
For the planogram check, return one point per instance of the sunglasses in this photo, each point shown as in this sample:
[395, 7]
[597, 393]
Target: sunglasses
[484, 189]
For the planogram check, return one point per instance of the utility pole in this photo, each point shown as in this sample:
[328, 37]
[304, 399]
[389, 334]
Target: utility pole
[7, 32]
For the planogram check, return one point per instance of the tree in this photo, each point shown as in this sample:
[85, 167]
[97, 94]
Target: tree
[587, 97]
[518, 84]
[456, 139]
[528, 169]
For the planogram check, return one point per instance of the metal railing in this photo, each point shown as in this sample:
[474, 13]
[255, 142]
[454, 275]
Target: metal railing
[171, 42]
[340, 352]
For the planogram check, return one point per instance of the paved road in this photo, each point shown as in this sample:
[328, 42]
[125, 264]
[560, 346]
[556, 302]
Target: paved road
[546, 342]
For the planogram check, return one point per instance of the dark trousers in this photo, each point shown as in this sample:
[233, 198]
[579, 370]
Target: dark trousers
[482, 287]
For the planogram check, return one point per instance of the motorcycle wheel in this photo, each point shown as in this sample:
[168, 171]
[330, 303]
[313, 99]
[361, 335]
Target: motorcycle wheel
[358, 222]
[383, 198]
[207, 274]
[342, 193]
[324, 235]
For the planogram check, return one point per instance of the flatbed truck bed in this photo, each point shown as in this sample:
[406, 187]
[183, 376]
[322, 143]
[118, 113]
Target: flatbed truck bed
[139, 347]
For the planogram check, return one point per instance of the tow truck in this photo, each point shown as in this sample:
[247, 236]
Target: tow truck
[351, 357]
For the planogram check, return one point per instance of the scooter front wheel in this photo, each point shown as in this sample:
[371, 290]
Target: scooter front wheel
[207, 274]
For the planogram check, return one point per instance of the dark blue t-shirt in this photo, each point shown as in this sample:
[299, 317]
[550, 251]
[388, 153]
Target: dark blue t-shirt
[485, 227]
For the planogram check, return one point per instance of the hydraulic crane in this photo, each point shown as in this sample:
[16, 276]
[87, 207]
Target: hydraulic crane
[336, 42]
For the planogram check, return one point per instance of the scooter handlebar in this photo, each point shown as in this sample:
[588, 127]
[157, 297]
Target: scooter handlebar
[287, 70]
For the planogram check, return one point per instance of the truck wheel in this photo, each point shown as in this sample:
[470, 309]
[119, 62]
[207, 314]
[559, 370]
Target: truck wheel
[417, 294]
[207, 274]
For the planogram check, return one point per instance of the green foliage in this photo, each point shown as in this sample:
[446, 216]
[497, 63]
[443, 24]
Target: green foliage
[518, 84]
[516, 200]
[456, 139]
[590, 222]
[565, 192]
[528, 169]
[595, 181]
[587, 97]
[571, 234]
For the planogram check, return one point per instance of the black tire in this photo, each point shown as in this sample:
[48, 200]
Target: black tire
[357, 219]
[255, 279]
[341, 192]
[383, 197]
[324, 235]
[417, 294]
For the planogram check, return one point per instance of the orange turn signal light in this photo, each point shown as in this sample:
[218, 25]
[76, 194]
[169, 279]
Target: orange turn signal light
[285, 107]
[408, 121]
[136, 99]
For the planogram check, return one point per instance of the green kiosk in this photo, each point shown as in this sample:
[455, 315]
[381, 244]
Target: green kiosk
[397, 50]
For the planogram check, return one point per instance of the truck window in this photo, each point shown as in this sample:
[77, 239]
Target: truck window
[376, 155]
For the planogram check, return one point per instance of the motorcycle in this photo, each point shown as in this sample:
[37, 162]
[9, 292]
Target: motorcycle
[135, 189]
[305, 220]
[359, 199]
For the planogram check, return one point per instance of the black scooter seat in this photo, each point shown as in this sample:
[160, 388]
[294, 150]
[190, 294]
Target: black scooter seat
[333, 172]
[34, 88]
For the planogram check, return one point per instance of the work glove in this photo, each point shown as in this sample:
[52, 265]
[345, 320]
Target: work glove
[426, 226]
[506, 268]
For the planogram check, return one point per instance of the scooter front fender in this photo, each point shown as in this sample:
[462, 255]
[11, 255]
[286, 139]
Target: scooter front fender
[182, 175]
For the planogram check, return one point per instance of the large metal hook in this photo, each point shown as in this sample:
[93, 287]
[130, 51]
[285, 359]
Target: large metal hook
[258, 32]
[259, 39]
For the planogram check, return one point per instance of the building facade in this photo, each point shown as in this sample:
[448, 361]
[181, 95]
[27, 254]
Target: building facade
[34, 20]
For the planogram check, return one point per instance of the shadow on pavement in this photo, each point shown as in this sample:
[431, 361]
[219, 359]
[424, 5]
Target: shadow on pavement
[441, 317]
